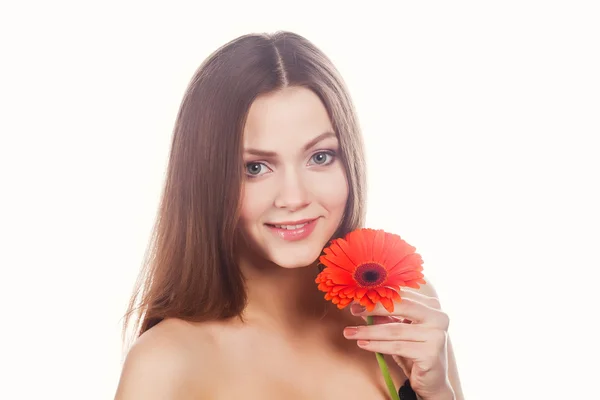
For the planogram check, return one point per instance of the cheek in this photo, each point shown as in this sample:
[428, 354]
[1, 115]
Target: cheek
[332, 189]
[254, 204]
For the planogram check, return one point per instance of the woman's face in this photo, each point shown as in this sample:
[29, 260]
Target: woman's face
[295, 188]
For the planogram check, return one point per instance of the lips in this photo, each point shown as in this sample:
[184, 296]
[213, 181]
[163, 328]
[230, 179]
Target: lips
[291, 223]
[293, 230]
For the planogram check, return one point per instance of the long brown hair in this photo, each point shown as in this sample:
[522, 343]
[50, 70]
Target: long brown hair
[189, 269]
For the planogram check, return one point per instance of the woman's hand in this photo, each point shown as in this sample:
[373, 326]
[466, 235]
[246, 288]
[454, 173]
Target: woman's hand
[415, 334]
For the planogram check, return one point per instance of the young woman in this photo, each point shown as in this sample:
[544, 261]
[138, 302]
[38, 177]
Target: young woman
[266, 167]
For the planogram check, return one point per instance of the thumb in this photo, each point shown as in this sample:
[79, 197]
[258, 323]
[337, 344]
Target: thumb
[404, 363]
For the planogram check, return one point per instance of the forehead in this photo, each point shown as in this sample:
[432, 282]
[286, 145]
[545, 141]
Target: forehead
[291, 115]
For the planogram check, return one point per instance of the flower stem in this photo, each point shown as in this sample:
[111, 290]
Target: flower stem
[384, 369]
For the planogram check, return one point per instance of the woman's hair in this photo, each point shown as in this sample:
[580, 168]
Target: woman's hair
[190, 270]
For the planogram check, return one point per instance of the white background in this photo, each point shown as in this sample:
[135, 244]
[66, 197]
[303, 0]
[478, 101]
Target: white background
[481, 121]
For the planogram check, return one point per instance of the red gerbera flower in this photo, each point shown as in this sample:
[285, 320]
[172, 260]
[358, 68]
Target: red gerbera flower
[369, 266]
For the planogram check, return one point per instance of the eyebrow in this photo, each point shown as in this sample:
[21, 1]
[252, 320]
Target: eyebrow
[312, 143]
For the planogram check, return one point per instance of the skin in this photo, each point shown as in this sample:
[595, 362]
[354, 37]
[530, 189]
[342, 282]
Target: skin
[292, 344]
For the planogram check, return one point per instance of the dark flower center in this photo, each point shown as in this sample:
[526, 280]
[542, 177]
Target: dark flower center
[370, 274]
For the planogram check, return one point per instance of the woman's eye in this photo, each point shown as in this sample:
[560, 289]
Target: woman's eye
[322, 158]
[256, 169]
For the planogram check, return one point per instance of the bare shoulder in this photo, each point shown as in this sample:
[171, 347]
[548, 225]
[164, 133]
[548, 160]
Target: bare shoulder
[169, 361]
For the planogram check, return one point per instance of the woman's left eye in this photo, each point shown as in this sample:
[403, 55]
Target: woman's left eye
[323, 158]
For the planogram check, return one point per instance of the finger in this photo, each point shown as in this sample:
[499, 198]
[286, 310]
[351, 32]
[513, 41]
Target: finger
[377, 319]
[389, 331]
[381, 319]
[408, 308]
[410, 350]
[410, 293]
[404, 363]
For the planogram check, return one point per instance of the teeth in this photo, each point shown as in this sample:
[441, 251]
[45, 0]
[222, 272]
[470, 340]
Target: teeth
[290, 227]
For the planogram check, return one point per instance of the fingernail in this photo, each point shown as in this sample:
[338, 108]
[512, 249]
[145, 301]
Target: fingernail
[362, 342]
[357, 308]
[350, 331]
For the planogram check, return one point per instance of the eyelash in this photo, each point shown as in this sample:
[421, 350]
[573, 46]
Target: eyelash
[330, 153]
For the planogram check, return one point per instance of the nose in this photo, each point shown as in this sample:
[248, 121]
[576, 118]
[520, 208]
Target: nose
[292, 194]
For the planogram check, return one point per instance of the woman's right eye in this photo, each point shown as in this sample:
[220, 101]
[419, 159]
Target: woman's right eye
[254, 169]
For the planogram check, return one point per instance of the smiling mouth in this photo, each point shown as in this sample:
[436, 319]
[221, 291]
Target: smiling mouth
[293, 230]
[289, 227]
[292, 225]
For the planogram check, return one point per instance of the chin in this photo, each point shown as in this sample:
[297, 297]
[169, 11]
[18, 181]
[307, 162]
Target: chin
[295, 259]
[297, 254]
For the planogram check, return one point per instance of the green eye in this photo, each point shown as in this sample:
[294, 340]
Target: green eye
[255, 169]
[322, 158]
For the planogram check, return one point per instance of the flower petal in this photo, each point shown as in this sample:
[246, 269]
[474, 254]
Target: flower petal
[336, 289]
[360, 292]
[353, 253]
[411, 262]
[370, 305]
[387, 304]
[400, 251]
[337, 262]
[381, 291]
[368, 243]
[361, 242]
[391, 249]
[342, 278]
[372, 294]
[345, 302]
[378, 245]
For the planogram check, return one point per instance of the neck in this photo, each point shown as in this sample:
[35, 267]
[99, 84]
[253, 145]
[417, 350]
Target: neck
[285, 300]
